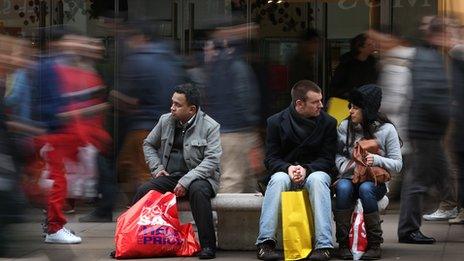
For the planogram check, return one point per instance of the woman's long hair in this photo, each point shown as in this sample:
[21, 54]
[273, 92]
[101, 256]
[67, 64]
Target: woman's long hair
[368, 129]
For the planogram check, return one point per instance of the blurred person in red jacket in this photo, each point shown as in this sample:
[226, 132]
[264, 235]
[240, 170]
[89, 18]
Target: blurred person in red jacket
[78, 96]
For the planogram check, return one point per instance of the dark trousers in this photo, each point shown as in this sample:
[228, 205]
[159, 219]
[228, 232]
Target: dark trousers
[460, 163]
[199, 194]
[429, 167]
[107, 186]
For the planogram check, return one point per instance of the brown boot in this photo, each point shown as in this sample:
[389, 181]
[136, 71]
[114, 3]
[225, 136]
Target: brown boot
[374, 236]
[343, 222]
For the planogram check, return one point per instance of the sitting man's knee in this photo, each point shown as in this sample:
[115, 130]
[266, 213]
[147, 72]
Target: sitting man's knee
[318, 178]
[195, 186]
[280, 179]
[141, 191]
[200, 188]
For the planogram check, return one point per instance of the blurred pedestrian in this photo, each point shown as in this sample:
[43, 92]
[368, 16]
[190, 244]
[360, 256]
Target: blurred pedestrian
[457, 54]
[70, 101]
[396, 82]
[396, 85]
[232, 98]
[302, 64]
[148, 75]
[428, 121]
[13, 56]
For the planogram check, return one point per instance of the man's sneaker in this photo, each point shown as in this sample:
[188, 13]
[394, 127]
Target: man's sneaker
[441, 215]
[266, 251]
[321, 254]
[459, 219]
[62, 236]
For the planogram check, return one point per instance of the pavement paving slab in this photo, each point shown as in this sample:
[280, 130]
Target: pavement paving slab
[98, 242]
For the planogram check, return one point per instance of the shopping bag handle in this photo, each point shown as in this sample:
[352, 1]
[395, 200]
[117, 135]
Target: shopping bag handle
[296, 187]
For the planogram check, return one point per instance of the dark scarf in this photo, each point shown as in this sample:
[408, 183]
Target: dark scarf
[300, 127]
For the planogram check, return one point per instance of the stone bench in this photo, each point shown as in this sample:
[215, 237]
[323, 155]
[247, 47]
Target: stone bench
[237, 219]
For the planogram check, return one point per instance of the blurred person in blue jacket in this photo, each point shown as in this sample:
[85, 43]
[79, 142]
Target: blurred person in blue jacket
[148, 75]
[232, 98]
[11, 205]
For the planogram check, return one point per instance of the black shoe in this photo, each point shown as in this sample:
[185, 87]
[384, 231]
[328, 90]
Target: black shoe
[266, 251]
[373, 253]
[321, 254]
[417, 238]
[344, 253]
[94, 217]
[207, 253]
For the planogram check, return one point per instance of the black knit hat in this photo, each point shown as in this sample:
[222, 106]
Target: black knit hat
[367, 97]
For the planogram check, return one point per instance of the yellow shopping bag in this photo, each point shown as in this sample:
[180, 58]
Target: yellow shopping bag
[297, 225]
[338, 108]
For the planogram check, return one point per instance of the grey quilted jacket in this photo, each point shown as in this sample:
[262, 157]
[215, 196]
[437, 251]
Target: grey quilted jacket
[202, 148]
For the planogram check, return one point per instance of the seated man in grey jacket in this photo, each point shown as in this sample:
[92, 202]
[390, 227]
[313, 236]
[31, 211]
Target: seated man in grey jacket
[183, 152]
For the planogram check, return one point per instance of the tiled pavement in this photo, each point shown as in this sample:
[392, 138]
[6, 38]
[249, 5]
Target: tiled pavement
[98, 242]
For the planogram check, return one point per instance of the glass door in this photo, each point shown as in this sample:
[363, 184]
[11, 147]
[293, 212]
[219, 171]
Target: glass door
[345, 20]
[194, 19]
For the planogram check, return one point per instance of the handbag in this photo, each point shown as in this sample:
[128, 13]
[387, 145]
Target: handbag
[362, 171]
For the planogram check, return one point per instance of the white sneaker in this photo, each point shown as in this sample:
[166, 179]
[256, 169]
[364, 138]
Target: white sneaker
[440, 214]
[62, 236]
[459, 219]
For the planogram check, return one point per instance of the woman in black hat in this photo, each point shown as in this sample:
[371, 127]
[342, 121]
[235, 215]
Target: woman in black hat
[365, 122]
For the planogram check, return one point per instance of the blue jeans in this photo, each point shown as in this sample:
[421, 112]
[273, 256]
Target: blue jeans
[317, 184]
[368, 192]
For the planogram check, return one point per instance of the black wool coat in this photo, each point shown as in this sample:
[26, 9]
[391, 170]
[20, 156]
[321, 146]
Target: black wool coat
[316, 152]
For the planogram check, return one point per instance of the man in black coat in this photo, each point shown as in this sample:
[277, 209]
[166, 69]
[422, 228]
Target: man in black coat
[300, 152]
[428, 121]
[457, 53]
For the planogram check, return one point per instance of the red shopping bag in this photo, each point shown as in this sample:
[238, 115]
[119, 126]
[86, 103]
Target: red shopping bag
[357, 236]
[151, 228]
